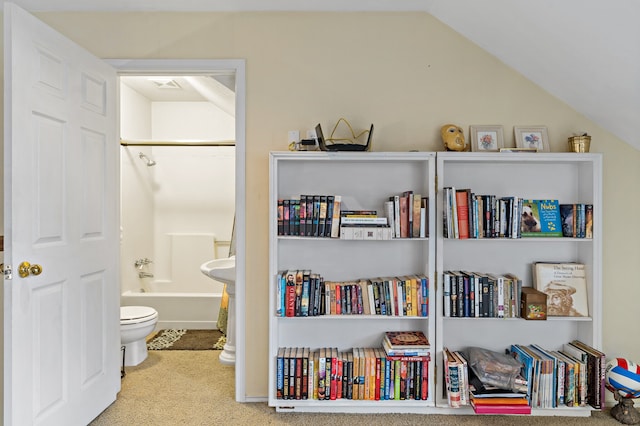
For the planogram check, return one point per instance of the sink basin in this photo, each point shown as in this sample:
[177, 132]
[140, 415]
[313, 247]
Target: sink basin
[223, 270]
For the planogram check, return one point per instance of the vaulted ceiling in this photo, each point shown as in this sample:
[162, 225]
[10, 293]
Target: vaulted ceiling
[584, 52]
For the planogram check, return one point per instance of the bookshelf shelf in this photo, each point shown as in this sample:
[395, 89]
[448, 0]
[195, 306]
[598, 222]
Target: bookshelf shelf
[364, 181]
[563, 176]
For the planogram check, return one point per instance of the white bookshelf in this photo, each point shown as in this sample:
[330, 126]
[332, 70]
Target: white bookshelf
[364, 181]
[568, 177]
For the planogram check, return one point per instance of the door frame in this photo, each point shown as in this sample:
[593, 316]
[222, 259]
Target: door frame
[202, 66]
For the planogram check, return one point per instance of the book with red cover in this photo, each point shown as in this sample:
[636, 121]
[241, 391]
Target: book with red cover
[462, 203]
[290, 293]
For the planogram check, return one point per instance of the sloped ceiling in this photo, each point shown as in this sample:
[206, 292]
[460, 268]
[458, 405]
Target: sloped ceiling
[585, 52]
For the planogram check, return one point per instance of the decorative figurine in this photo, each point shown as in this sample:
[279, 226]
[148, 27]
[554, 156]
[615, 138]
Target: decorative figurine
[453, 138]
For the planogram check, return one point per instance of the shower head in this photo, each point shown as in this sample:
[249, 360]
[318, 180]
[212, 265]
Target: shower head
[147, 160]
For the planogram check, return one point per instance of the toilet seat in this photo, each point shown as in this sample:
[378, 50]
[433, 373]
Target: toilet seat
[136, 314]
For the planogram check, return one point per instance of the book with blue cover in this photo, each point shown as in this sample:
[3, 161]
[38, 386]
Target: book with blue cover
[540, 218]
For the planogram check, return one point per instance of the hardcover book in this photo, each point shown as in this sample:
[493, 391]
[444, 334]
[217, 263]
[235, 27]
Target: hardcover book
[462, 204]
[540, 218]
[407, 339]
[565, 285]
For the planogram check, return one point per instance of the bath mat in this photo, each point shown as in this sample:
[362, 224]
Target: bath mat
[186, 340]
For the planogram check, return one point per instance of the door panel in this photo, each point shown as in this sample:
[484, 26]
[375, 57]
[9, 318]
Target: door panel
[62, 328]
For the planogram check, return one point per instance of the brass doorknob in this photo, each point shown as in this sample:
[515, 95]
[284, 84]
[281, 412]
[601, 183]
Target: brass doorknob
[25, 269]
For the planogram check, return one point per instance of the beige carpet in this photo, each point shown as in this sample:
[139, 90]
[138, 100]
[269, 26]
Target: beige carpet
[192, 388]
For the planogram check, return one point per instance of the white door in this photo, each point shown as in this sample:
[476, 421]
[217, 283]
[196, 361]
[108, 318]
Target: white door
[61, 327]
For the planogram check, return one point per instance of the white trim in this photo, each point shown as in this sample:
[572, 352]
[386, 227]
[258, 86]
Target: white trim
[189, 66]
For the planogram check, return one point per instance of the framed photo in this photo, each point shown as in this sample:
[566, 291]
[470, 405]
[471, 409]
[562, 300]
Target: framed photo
[532, 137]
[486, 138]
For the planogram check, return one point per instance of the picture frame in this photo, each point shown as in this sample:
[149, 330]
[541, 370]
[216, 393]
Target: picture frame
[486, 138]
[532, 137]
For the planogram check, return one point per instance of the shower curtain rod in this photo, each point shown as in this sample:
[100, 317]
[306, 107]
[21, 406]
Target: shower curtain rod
[175, 143]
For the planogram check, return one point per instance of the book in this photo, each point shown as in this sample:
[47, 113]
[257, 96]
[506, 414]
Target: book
[500, 408]
[290, 293]
[416, 212]
[329, 216]
[588, 220]
[407, 340]
[462, 204]
[364, 220]
[303, 215]
[424, 217]
[565, 285]
[452, 380]
[404, 216]
[567, 217]
[540, 218]
[280, 216]
[335, 220]
[389, 210]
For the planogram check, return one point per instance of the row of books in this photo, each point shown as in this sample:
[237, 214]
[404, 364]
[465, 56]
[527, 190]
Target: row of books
[481, 295]
[301, 293]
[572, 376]
[360, 373]
[577, 220]
[309, 215]
[408, 215]
[469, 215]
[356, 374]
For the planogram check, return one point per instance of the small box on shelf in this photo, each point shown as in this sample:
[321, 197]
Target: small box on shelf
[533, 304]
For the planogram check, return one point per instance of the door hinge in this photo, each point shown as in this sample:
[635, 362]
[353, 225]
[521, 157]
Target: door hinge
[6, 271]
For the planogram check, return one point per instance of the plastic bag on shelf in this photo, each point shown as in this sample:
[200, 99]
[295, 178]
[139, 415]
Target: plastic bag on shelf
[494, 368]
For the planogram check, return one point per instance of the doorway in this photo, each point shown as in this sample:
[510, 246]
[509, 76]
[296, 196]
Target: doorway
[199, 84]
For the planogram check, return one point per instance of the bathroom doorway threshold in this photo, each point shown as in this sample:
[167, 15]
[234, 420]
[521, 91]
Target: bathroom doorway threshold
[178, 67]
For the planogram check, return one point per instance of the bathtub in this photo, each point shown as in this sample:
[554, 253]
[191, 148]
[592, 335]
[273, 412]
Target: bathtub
[195, 310]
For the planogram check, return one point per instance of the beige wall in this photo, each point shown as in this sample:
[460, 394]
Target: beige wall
[405, 72]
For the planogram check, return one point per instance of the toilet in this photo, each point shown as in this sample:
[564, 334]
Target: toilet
[136, 323]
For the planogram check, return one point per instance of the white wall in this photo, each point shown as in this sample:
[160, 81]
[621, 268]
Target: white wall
[203, 121]
[136, 187]
[172, 209]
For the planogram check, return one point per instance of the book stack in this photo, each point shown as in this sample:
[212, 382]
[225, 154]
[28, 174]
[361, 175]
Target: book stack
[406, 343]
[409, 352]
[487, 399]
[364, 225]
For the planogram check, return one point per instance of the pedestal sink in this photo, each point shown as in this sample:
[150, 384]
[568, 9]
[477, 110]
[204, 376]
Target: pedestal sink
[224, 271]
